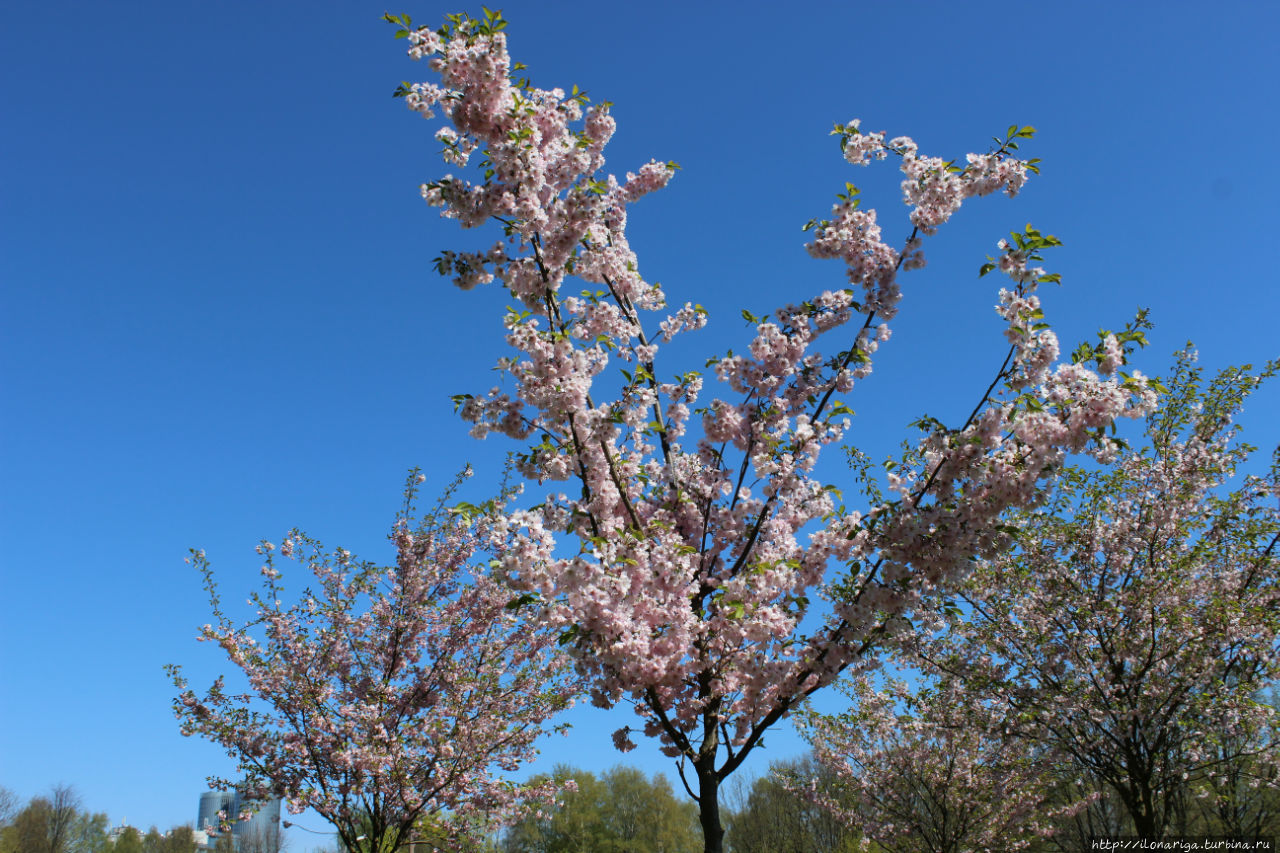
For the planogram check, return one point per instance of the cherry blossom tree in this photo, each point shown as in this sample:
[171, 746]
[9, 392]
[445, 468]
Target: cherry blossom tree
[1134, 625]
[932, 771]
[706, 540]
[389, 698]
[1242, 796]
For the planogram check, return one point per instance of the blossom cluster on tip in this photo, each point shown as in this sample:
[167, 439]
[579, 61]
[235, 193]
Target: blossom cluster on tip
[705, 536]
[412, 684]
[853, 236]
[935, 188]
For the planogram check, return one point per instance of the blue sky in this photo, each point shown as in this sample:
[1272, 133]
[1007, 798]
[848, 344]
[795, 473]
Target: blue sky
[220, 318]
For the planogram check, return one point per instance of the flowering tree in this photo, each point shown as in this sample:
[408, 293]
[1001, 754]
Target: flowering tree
[1139, 616]
[387, 699]
[690, 590]
[936, 771]
[1242, 795]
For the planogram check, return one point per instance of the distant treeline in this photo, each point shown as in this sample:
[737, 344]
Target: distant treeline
[56, 822]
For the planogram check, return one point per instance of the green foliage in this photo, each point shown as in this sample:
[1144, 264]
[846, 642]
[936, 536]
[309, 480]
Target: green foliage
[619, 812]
[180, 839]
[1029, 243]
[129, 841]
[772, 818]
[53, 824]
[153, 841]
[89, 834]
[57, 824]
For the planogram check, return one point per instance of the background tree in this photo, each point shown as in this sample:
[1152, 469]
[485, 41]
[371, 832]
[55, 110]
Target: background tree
[769, 816]
[63, 808]
[8, 806]
[29, 828]
[54, 824]
[1101, 814]
[1242, 800]
[224, 842]
[181, 839]
[88, 833]
[934, 771]
[152, 841]
[388, 694]
[1138, 618]
[691, 591]
[261, 839]
[1242, 796]
[130, 841]
[618, 812]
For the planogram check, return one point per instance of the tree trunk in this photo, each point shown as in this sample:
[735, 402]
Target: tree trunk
[709, 806]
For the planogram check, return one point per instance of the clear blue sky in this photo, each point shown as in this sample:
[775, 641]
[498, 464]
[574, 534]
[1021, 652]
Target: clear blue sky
[220, 321]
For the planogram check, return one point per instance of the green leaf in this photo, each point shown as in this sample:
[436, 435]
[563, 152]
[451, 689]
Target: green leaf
[840, 408]
[517, 603]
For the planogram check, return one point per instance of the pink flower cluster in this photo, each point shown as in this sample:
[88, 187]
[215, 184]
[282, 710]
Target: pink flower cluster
[935, 188]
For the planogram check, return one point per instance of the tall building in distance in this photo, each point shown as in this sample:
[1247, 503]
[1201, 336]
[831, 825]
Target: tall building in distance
[259, 834]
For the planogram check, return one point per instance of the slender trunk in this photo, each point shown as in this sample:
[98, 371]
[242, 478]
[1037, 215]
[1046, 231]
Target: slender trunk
[1143, 815]
[709, 806]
